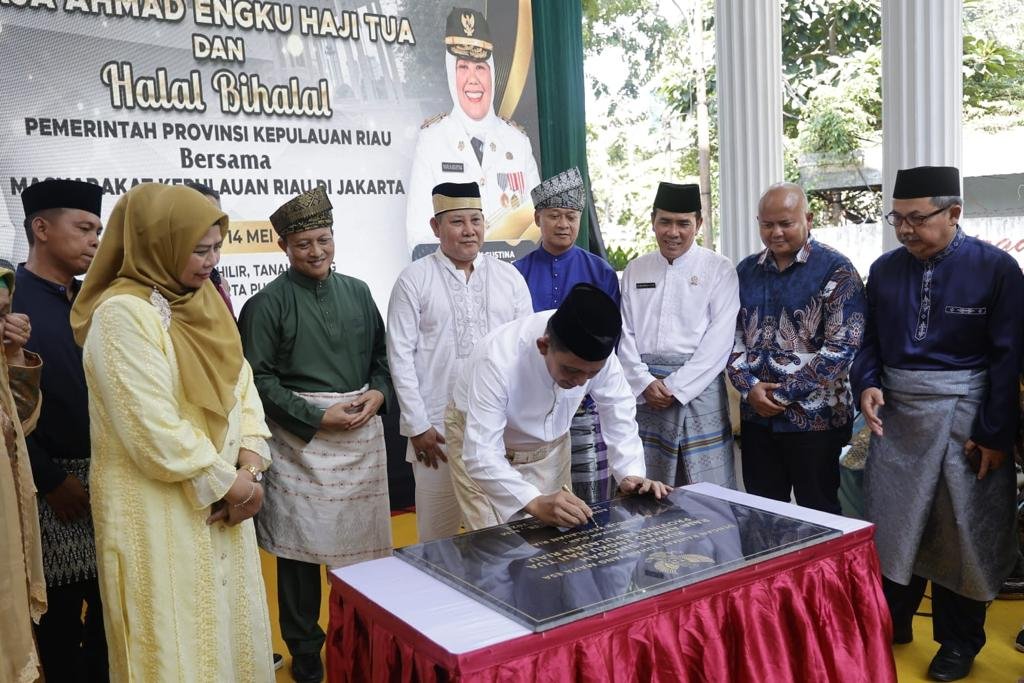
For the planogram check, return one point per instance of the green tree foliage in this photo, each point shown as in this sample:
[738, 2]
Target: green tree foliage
[832, 99]
[819, 38]
[643, 128]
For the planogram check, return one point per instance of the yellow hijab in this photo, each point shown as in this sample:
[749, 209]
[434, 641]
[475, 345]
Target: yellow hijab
[145, 247]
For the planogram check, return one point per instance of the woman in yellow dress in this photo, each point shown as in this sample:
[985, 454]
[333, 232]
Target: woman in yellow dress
[177, 448]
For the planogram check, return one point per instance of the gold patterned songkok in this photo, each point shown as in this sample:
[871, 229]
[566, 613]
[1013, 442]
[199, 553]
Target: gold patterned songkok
[454, 196]
[309, 211]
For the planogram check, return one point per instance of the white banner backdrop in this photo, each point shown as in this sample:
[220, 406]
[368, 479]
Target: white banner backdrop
[259, 100]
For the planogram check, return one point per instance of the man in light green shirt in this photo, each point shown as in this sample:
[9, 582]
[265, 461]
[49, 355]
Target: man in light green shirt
[315, 340]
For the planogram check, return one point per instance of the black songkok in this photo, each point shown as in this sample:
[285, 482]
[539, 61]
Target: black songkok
[677, 198]
[927, 181]
[309, 211]
[62, 194]
[454, 196]
[587, 323]
[467, 35]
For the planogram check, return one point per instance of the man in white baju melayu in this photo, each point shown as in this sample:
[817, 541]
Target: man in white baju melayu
[679, 307]
[508, 424]
[441, 306]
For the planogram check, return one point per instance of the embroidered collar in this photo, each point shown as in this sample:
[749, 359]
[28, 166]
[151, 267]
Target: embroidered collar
[448, 266]
[954, 244]
[801, 256]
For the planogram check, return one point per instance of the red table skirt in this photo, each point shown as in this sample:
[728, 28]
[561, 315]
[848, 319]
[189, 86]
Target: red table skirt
[814, 615]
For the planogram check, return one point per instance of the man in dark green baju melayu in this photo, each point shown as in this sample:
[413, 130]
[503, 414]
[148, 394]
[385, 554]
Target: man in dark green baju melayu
[315, 340]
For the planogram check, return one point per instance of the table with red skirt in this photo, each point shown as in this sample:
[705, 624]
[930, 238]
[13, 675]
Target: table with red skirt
[816, 614]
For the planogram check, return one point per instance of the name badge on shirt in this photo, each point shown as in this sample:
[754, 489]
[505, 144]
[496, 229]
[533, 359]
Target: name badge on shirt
[646, 285]
[452, 167]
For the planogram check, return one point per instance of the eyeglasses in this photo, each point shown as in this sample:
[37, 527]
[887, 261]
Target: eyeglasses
[914, 220]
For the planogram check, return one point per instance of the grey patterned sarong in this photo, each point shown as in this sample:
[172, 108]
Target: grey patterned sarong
[692, 443]
[934, 518]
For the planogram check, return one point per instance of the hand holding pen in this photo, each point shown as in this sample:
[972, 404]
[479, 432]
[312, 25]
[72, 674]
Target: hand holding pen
[560, 508]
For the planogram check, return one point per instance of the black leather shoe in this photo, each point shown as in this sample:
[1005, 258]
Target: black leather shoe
[308, 668]
[950, 664]
[1020, 640]
[902, 633]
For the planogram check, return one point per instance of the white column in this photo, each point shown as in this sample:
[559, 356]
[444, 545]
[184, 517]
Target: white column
[922, 90]
[748, 47]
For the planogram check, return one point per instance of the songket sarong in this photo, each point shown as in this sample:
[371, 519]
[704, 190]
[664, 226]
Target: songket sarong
[591, 480]
[934, 518]
[687, 444]
[69, 548]
[546, 467]
[327, 500]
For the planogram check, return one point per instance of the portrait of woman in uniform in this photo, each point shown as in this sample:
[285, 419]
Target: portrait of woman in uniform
[472, 143]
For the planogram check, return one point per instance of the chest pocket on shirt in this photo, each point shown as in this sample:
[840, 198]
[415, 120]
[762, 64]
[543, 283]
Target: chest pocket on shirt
[428, 337]
[967, 310]
[570, 400]
[352, 332]
[967, 324]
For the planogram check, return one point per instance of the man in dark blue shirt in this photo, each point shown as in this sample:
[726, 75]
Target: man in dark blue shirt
[62, 223]
[937, 381]
[801, 322]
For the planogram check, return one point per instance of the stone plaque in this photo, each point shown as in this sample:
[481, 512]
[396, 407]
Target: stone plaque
[637, 547]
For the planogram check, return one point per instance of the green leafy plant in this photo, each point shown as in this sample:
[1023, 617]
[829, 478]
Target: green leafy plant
[619, 257]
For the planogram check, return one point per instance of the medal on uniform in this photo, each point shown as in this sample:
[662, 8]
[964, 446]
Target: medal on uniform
[502, 179]
[517, 182]
[694, 280]
[462, 146]
[508, 155]
[494, 147]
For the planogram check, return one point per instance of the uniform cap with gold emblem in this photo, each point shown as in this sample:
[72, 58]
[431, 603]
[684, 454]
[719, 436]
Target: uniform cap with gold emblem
[467, 34]
[309, 211]
[455, 196]
[563, 191]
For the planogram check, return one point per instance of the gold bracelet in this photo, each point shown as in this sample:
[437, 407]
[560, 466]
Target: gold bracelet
[251, 494]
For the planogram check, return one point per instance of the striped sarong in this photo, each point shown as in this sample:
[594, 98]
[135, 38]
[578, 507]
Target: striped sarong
[687, 444]
[591, 480]
[326, 501]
